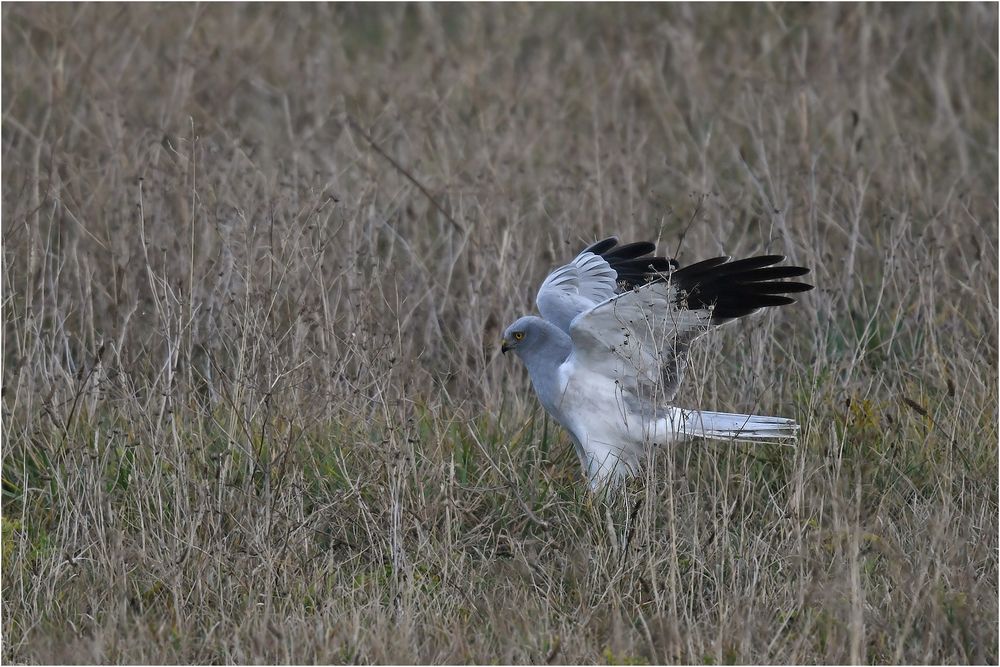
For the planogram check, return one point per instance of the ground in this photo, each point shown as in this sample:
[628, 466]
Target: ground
[256, 264]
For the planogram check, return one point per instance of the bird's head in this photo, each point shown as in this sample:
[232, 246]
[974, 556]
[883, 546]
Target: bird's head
[522, 335]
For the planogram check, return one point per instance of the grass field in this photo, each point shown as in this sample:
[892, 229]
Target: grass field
[256, 264]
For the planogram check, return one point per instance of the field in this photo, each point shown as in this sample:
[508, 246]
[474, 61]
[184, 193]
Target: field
[257, 260]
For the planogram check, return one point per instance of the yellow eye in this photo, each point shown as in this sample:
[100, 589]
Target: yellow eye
[518, 335]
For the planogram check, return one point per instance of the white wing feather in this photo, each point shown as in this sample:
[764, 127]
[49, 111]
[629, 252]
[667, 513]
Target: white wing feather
[576, 288]
[639, 338]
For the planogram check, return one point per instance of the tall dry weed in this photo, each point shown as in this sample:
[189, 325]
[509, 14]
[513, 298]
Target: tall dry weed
[257, 258]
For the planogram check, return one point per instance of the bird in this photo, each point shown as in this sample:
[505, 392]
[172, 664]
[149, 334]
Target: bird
[608, 352]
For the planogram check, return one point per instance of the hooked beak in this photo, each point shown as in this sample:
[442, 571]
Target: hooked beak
[505, 346]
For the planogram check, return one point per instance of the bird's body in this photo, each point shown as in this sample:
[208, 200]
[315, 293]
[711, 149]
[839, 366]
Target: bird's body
[609, 351]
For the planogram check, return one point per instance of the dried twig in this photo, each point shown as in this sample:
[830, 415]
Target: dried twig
[378, 149]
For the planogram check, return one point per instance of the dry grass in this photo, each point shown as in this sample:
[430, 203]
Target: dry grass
[253, 406]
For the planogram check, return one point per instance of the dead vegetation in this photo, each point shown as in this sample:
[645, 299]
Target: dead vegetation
[256, 261]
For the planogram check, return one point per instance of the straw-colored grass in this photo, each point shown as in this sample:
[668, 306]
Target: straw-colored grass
[257, 259]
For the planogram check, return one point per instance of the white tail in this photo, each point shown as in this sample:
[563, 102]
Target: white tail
[741, 428]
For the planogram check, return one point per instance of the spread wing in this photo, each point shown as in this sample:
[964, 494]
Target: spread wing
[641, 337]
[597, 274]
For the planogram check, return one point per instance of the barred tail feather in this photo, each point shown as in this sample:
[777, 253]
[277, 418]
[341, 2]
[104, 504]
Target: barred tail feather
[741, 428]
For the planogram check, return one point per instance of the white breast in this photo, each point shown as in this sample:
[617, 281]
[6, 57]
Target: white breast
[594, 409]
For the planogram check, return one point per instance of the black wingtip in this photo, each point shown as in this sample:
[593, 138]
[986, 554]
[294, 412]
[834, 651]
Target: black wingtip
[737, 288]
[602, 247]
[634, 262]
[630, 251]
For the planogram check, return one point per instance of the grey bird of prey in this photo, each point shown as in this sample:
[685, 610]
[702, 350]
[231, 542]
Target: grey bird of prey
[608, 353]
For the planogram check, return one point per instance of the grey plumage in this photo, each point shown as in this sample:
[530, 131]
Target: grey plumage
[610, 349]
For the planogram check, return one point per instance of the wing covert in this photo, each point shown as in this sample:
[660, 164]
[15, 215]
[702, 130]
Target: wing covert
[575, 288]
[598, 273]
[641, 337]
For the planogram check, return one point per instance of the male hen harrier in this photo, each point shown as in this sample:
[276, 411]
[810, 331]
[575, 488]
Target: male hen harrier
[610, 348]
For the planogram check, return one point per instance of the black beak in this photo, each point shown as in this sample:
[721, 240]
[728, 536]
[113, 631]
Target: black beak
[504, 347]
